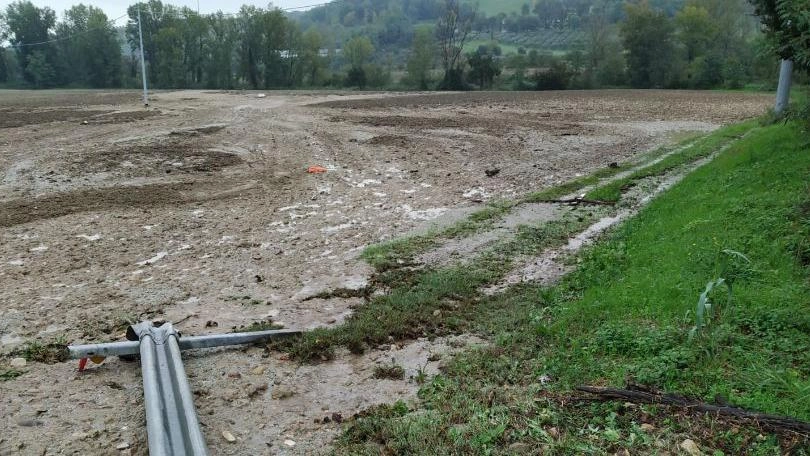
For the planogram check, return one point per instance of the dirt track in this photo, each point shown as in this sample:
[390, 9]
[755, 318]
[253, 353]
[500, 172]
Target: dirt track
[200, 210]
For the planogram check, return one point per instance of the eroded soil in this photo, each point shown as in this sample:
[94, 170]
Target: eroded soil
[201, 210]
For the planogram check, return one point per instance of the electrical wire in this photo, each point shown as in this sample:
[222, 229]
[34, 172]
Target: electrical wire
[112, 22]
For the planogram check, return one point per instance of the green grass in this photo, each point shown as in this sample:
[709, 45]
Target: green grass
[625, 315]
[689, 154]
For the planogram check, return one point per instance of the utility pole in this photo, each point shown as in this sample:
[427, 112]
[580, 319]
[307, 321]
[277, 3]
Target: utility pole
[783, 92]
[143, 63]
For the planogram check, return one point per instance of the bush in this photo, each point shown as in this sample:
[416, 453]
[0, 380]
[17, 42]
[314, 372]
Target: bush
[356, 78]
[555, 77]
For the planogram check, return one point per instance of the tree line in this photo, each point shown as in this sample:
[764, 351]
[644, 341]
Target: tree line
[420, 44]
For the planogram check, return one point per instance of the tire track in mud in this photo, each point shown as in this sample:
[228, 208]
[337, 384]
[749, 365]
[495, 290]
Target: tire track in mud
[25, 210]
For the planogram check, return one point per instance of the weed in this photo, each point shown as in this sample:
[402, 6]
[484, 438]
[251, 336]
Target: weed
[9, 374]
[389, 371]
[48, 353]
[263, 325]
[421, 376]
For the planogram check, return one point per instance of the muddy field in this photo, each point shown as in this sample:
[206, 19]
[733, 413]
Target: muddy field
[200, 211]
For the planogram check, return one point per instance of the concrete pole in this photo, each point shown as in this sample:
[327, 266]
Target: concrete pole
[783, 92]
[143, 63]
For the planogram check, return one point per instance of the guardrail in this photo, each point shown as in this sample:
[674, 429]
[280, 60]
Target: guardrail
[172, 426]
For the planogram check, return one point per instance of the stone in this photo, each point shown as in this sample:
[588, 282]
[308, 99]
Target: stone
[289, 443]
[258, 370]
[18, 363]
[690, 447]
[228, 437]
[281, 392]
[122, 446]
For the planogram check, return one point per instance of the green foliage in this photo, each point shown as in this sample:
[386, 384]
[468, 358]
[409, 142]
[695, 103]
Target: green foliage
[420, 62]
[483, 69]
[39, 72]
[648, 37]
[357, 51]
[28, 24]
[90, 44]
[788, 26]
[556, 77]
[9, 374]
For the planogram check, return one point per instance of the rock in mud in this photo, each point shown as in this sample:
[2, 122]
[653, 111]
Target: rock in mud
[228, 437]
[691, 447]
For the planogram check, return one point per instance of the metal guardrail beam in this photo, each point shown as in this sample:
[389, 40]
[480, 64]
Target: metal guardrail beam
[172, 426]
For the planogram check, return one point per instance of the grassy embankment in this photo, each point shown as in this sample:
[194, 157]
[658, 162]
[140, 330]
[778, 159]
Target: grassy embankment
[625, 315]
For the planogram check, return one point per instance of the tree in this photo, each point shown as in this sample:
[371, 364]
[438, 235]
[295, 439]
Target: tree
[696, 30]
[218, 45]
[89, 48]
[154, 17]
[3, 66]
[357, 51]
[452, 30]
[483, 69]
[420, 61]
[28, 25]
[311, 60]
[39, 70]
[648, 40]
[787, 26]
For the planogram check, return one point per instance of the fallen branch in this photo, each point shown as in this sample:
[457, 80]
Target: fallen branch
[578, 201]
[774, 422]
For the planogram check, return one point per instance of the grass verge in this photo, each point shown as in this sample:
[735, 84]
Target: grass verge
[701, 148]
[624, 316]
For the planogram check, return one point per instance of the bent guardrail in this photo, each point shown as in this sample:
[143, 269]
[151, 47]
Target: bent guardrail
[172, 426]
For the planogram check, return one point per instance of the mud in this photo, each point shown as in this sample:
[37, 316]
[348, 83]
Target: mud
[95, 233]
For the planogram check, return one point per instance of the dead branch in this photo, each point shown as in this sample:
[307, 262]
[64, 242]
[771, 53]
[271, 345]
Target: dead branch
[773, 422]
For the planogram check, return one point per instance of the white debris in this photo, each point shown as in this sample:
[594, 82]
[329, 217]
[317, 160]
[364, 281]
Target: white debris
[427, 214]
[367, 182]
[18, 363]
[261, 95]
[154, 259]
[16, 263]
[225, 434]
[226, 240]
[289, 208]
[380, 194]
[334, 229]
[91, 238]
[408, 192]
[477, 192]
[289, 443]
[40, 248]
[148, 227]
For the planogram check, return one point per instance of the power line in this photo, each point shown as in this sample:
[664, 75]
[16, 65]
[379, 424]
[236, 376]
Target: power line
[65, 38]
[112, 22]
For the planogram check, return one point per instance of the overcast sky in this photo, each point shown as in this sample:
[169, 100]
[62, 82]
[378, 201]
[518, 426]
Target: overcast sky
[116, 8]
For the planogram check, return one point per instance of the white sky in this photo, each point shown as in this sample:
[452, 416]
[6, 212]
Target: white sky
[116, 8]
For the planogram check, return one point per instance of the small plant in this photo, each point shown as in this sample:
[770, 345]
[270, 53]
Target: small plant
[49, 353]
[391, 372]
[730, 271]
[9, 374]
[421, 376]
